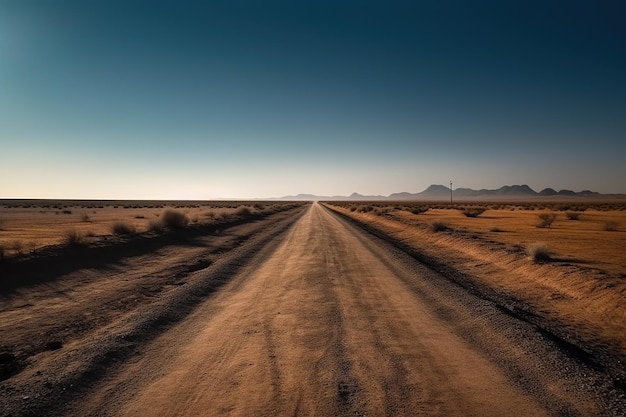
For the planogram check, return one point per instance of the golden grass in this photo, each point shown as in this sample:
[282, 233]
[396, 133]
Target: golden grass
[584, 241]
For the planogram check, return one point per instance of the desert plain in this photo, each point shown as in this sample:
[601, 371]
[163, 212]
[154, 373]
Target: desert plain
[262, 308]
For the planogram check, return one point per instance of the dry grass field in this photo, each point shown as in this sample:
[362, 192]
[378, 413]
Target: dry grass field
[30, 225]
[588, 234]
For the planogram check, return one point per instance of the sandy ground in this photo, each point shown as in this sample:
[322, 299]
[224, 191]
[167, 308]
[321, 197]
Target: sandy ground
[315, 317]
[584, 305]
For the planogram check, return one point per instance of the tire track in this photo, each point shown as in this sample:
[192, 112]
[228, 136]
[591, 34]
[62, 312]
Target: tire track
[332, 321]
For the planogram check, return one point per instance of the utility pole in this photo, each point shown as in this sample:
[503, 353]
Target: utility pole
[450, 192]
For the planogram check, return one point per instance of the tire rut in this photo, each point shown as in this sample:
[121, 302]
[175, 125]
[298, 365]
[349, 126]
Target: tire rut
[80, 366]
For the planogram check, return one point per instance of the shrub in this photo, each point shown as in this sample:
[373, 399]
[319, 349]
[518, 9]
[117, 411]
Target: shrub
[439, 226]
[496, 230]
[539, 252]
[418, 210]
[573, 215]
[546, 219]
[611, 225]
[380, 211]
[73, 238]
[244, 211]
[173, 219]
[122, 228]
[155, 226]
[473, 211]
[67, 211]
[85, 217]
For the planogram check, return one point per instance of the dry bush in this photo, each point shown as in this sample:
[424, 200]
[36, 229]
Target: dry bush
[73, 238]
[214, 214]
[380, 211]
[539, 252]
[84, 217]
[173, 219]
[418, 210]
[155, 226]
[473, 211]
[244, 211]
[122, 228]
[573, 215]
[546, 219]
[438, 226]
[611, 225]
[496, 230]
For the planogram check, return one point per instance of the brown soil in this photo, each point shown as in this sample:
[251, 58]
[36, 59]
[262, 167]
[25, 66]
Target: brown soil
[309, 315]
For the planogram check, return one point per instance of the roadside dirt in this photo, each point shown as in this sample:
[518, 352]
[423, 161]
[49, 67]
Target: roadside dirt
[312, 318]
[583, 308]
[83, 320]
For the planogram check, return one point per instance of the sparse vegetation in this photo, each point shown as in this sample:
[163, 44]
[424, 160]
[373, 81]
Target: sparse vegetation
[156, 226]
[419, 209]
[473, 211]
[496, 230]
[539, 252]
[122, 228]
[244, 211]
[573, 215]
[84, 217]
[611, 225]
[439, 226]
[73, 238]
[546, 219]
[174, 219]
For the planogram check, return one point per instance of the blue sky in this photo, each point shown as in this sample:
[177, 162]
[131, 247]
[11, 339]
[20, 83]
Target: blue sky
[246, 99]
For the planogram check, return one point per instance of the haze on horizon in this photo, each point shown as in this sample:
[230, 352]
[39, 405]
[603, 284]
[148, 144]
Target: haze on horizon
[243, 99]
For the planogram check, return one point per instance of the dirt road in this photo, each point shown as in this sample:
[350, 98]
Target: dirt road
[332, 321]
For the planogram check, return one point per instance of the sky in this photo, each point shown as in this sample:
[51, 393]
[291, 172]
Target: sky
[248, 99]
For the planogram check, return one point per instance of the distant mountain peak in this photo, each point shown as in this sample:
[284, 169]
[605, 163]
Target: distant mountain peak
[440, 192]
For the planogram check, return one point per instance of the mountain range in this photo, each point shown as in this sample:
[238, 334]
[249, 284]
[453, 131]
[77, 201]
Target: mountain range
[441, 192]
